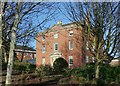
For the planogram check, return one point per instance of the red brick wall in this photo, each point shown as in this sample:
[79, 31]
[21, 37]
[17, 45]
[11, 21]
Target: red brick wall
[26, 55]
[63, 43]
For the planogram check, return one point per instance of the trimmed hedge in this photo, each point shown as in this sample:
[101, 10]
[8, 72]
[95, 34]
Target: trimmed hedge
[59, 65]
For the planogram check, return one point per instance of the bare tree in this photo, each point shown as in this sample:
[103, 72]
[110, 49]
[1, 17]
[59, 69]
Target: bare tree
[17, 23]
[100, 24]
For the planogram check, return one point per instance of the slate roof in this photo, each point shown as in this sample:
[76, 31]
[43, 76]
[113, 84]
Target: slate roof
[24, 48]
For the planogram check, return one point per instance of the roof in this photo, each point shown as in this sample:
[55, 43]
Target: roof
[24, 48]
[68, 25]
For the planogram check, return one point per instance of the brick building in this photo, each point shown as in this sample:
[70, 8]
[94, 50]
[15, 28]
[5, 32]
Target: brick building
[24, 52]
[66, 41]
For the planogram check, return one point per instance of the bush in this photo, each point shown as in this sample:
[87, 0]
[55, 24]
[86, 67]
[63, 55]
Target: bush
[23, 67]
[44, 70]
[59, 65]
[78, 72]
[110, 74]
[87, 72]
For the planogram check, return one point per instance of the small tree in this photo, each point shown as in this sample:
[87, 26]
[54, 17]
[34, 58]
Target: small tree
[59, 65]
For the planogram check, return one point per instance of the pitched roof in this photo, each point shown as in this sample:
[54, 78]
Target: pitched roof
[68, 25]
[24, 48]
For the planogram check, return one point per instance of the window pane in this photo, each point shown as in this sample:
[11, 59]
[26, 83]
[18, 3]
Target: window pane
[55, 35]
[43, 48]
[71, 33]
[70, 60]
[43, 61]
[87, 46]
[70, 45]
[56, 46]
[93, 59]
[43, 37]
[87, 59]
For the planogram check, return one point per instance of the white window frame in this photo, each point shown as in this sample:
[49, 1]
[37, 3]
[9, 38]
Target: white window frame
[70, 59]
[55, 46]
[31, 55]
[87, 59]
[87, 45]
[43, 61]
[70, 45]
[43, 37]
[16, 53]
[70, 32]
[93, 59]
[93, 48]
[43, 48]
[55, 35]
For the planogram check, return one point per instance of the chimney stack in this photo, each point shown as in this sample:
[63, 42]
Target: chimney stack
[59, 23]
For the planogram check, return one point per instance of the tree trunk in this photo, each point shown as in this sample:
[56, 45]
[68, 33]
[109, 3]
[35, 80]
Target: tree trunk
[0, 46]
[5, 55]
[11, 52]
[22, 56]
[97, 66]
[11, 57]
[97, 71]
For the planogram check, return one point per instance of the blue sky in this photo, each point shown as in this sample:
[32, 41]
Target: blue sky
[57, 17]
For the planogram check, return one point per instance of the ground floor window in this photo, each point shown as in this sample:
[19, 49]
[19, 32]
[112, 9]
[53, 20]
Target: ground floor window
[70, 60]
[43, 60]
[87, 59]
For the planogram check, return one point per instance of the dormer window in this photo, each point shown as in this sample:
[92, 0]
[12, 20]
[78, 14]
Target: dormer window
[71, 33]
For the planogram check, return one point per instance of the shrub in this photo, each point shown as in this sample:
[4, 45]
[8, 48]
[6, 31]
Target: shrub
[89, 71]
[24, 67]
[74, 72]
[59, 65]
[44, 70]
[110, 74]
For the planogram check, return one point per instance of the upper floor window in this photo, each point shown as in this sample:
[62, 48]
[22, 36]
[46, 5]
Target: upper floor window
[87, 59]
[87, 46]
[93, 48]
[43, 49]
[70, 45]
[70, 60]
[55, 35]
[93, 59]
[71, 33]
[55, 46]
[43, 37]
